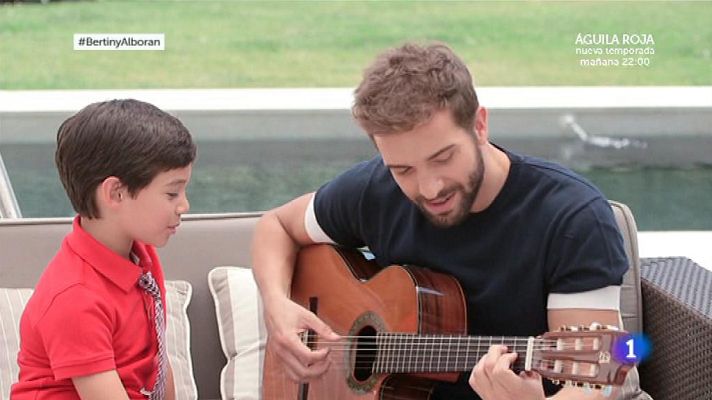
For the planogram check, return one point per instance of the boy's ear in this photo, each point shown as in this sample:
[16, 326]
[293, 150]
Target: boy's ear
[111, 192]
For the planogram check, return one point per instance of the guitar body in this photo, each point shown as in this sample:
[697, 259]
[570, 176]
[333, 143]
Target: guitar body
[357, 299]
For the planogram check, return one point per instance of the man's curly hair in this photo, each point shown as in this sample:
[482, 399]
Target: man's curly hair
[406, 85]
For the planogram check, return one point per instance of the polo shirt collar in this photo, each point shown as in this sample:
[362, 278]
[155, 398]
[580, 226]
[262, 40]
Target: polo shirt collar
[122, 272]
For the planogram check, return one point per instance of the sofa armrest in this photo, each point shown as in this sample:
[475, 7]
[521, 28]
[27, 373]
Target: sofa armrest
[677, 312]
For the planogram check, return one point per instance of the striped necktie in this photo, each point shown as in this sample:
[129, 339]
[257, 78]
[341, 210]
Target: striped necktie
[148, 283]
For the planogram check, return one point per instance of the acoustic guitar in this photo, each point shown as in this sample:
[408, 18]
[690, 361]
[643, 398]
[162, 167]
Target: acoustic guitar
[405, 327]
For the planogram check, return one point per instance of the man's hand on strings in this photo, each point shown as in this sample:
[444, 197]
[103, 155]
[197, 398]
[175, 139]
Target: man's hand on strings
[493, 379]
[287, 323]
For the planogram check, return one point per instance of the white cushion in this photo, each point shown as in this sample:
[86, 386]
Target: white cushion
[242, 331]
[12, 302]
[178, 295]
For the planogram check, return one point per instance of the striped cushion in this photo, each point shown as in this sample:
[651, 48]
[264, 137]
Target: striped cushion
[242, 332]
[12, 302]
[178, 293]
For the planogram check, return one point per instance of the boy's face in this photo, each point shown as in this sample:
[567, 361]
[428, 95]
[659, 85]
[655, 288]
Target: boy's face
[153, 215]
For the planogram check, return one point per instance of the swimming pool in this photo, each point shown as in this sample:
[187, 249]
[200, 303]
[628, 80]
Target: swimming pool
[649, 147]
[252, 175]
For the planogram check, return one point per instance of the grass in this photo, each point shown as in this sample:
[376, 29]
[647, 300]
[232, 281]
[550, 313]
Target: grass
[212, 44]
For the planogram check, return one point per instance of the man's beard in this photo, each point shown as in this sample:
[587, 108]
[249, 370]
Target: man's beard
[468, 194]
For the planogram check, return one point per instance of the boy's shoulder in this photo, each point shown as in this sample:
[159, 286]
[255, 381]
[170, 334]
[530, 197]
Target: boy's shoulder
[64, 275]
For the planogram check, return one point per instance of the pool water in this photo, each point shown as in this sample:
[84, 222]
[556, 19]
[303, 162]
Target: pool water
[254, 175]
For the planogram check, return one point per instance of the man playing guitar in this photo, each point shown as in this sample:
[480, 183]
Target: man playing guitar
[533, 245]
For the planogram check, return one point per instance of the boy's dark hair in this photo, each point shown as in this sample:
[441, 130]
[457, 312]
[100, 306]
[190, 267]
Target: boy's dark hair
[129, 139]
[406, 85]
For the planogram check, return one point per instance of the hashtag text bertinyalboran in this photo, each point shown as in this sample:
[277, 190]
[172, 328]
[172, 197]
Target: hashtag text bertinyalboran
[117, 43]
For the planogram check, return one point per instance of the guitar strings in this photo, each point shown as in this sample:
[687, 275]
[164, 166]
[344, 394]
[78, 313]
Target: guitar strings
[456, 356]
[461, 355]
[449, 347]
[419, 341]
[414, 338]
[432, 364]
[455, 360]
[458, 337]
[403, 342]
[470, 349]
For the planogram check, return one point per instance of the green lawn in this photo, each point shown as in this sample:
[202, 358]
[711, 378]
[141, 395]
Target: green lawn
[212, 44]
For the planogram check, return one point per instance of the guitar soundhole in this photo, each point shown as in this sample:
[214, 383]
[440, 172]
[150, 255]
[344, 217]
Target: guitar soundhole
[365, 353]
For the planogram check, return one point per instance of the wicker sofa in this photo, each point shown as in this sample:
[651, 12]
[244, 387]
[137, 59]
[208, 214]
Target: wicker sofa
[206, 241]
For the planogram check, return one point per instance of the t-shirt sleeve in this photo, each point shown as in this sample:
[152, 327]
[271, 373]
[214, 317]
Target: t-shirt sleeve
[588, 251]
[76, 333]
[338, 206]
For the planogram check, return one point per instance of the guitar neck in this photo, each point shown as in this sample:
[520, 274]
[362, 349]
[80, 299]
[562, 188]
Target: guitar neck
[410, 353]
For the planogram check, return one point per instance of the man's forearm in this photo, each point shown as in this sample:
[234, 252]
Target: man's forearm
[273, 254]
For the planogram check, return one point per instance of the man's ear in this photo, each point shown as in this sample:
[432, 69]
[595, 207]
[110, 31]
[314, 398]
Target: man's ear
[111, 192]
[481, 128]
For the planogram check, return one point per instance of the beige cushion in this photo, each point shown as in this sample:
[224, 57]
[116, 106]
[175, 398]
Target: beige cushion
[178, 293]
[631, 299]
[242, 332]
[12, 302]
[631, 302]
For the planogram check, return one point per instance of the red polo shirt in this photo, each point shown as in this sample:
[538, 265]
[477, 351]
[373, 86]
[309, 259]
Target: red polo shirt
[88, 315]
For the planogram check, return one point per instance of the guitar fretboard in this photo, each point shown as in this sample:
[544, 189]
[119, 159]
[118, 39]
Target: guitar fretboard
[410, 353]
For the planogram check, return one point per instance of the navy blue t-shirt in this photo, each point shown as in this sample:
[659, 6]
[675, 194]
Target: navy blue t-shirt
[547, 231]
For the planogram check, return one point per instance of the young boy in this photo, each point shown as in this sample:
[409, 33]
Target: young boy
[94, 327]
